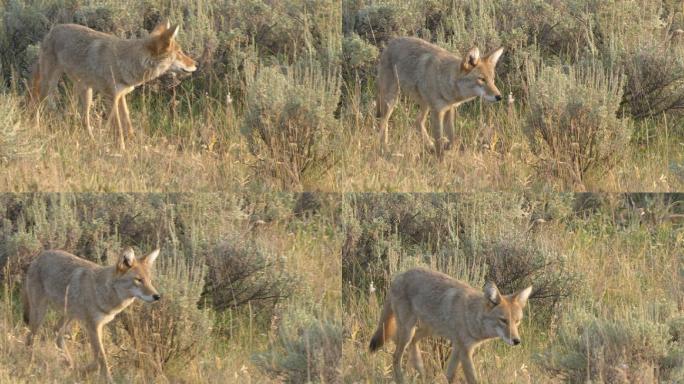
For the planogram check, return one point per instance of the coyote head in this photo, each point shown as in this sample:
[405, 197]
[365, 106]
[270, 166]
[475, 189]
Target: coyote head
[162, 44]
[133, 276]
[505, 313]
[479, 75]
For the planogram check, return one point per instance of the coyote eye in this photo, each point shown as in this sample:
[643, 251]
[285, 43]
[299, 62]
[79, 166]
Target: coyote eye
[503, 320]
[139, 280]
[481, 79]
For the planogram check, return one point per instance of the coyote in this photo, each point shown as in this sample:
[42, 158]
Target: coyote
[422, 302]
[105, 63]
[437, 80]
[87, 292]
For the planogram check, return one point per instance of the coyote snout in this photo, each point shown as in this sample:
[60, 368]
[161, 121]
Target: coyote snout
[87, 292]
[183, 63]
[437, 80]
[422, 302]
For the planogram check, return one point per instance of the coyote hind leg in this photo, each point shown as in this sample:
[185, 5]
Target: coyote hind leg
[402, 339]
[414, 352]
[420, 125]
[37, 311]
[49, 74]
[388, 94]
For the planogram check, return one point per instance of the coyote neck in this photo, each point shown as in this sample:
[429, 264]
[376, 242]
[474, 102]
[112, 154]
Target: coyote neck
[138, 65]
[107, 299]
[451, 89]
[478, 332]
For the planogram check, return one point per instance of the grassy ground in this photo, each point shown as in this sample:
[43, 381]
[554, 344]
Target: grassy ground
[607, 305]
[251, 287]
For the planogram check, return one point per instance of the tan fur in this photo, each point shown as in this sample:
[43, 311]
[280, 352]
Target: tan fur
[386, 328]
[422, 302]
[437, 80]
[82, 290]
[96, 61]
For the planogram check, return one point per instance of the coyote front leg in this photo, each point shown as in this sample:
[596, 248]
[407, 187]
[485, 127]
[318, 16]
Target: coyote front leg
[115, 117]
[454, 362]
[123, 112]
[437, 129]
[61, 329]
[100, 360]
[85, 93]
[466, 356]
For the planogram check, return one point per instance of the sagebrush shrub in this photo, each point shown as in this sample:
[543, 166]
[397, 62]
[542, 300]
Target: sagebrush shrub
[359, 57]
[655, 81]
[306, 349]
[242, 272]
[170, 333]
[289, 121]
[380, 22]
[572, 122]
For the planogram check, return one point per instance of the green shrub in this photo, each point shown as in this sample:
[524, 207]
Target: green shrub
[23, 26]
[600, 349]
[289, 121]
[572, 124]
[382, 21]
[514, 262]
[358, 56]
[167, 335]
[655, 80]
[241, 272]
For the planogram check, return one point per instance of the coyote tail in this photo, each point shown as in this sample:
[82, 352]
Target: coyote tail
[25, 301]
[35, 83]
[379, 101]
[386, 327]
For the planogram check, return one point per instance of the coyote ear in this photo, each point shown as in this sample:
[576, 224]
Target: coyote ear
[471, 60]
[160, 28]
[172, 32]
[492, 294]
[149, 259]
[160, 43]
[495, 55]
[522, 296]
[127, 260]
